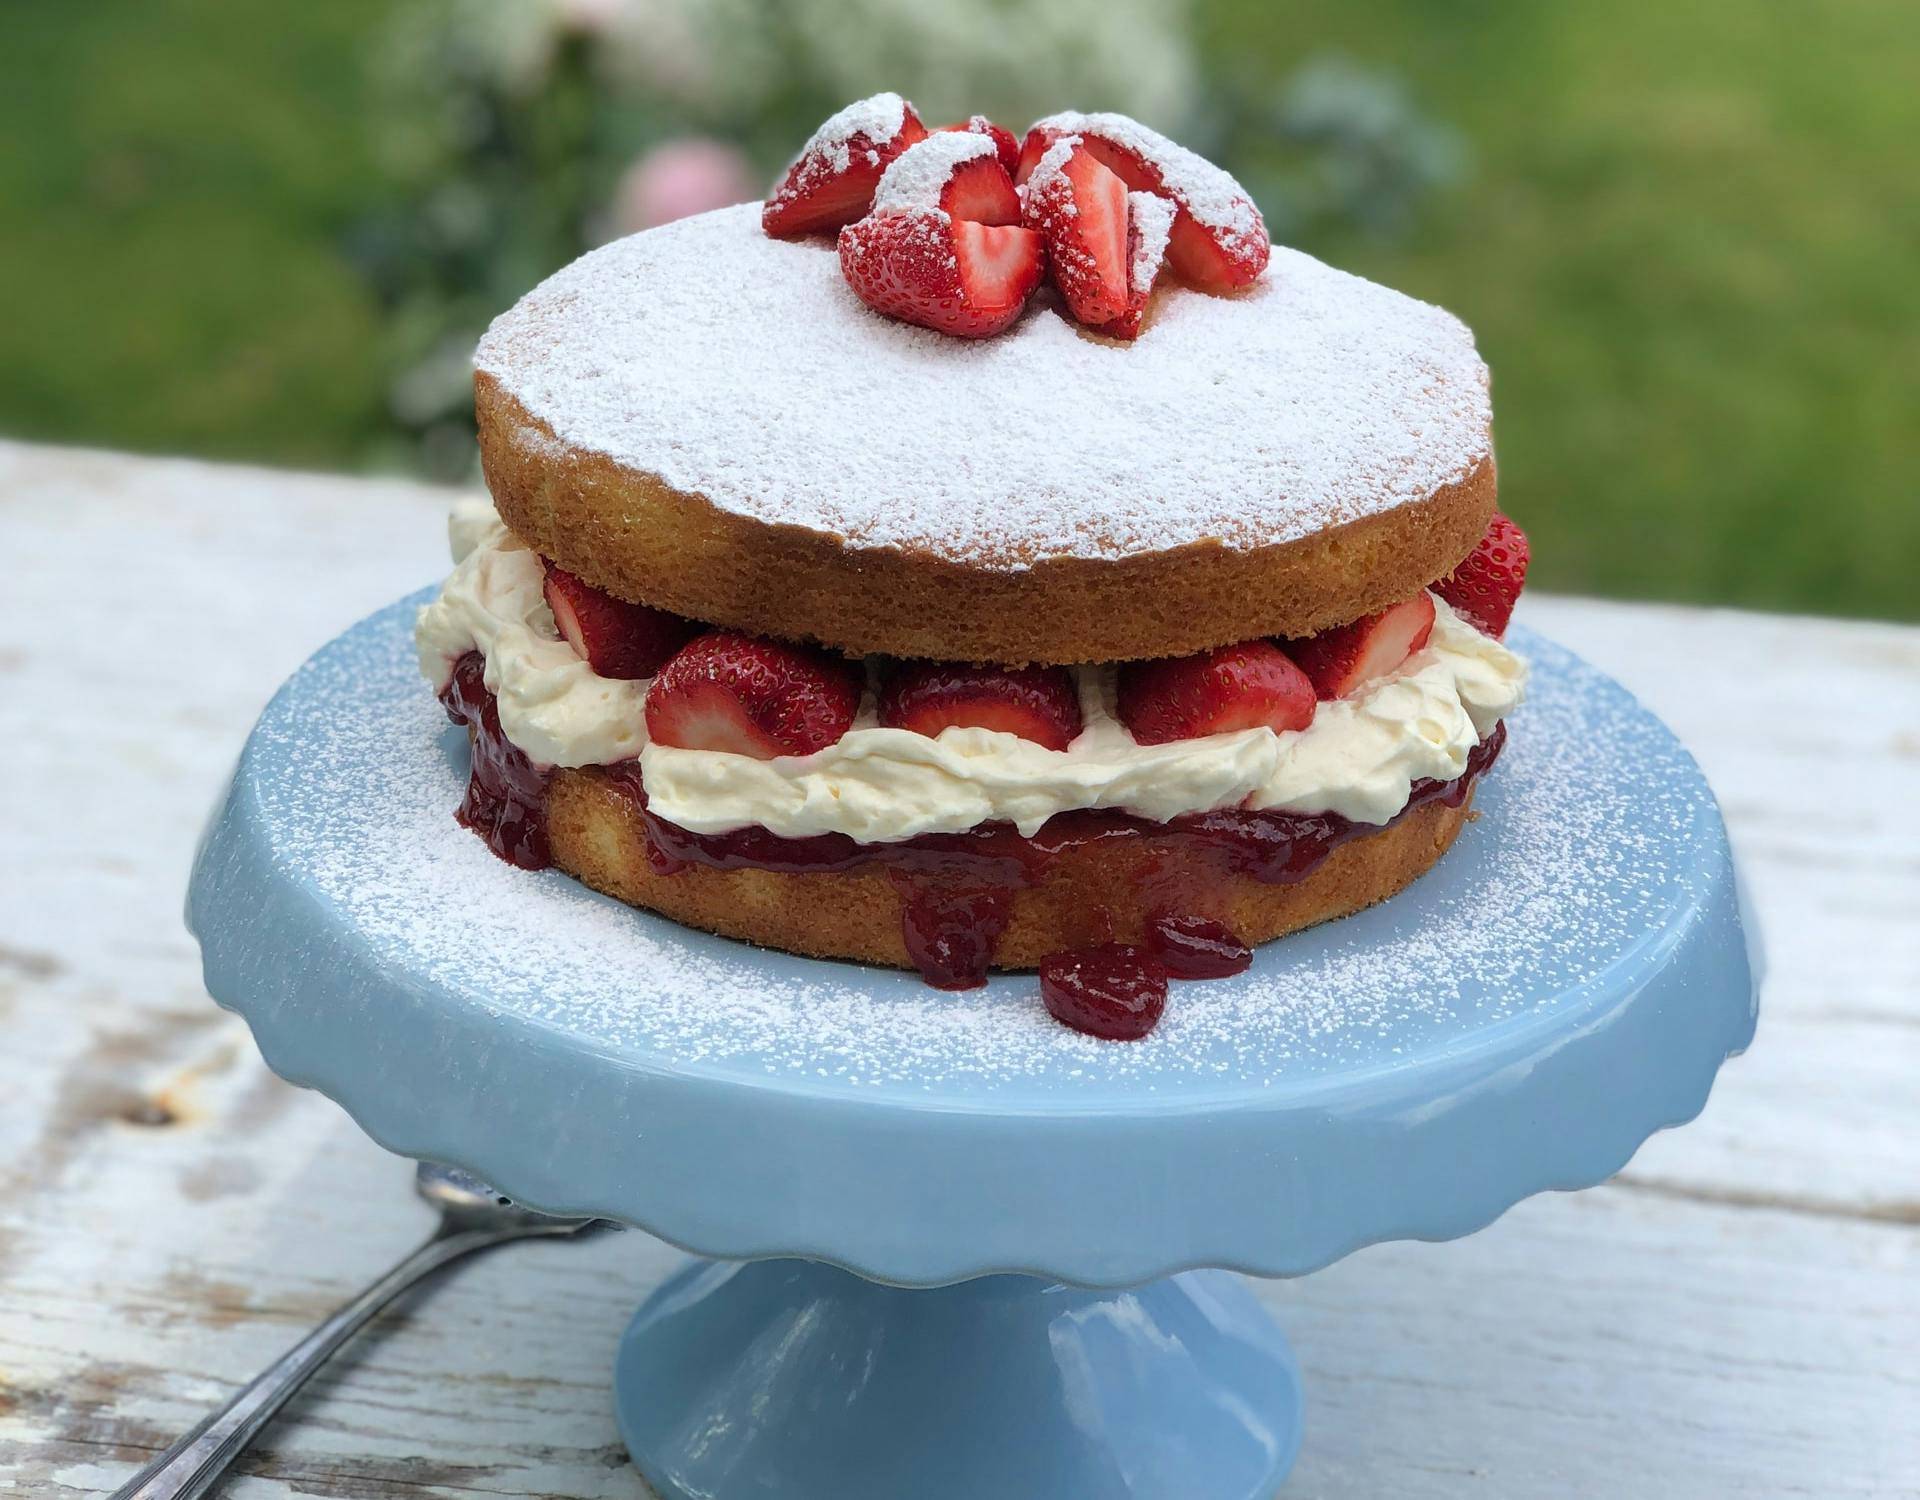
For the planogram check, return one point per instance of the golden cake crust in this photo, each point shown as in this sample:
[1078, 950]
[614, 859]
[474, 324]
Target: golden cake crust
[708, 420]
[1098, 892]
[632, 534]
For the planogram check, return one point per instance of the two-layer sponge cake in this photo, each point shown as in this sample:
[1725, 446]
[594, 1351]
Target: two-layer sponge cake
[1151, 618]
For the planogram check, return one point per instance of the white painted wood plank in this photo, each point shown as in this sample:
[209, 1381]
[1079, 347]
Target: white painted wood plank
[1809, 731]
[1601, 1344]
[1737, 1316]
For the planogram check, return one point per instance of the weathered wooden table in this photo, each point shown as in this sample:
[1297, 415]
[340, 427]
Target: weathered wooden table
[1736, 1314]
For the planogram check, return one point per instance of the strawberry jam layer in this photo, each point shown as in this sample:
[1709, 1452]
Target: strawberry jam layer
[506, 800]
[957, 889]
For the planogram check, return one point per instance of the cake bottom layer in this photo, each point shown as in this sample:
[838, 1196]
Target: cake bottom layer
[1084, 893]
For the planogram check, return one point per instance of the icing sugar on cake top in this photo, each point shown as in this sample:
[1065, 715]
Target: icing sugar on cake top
[743, 369]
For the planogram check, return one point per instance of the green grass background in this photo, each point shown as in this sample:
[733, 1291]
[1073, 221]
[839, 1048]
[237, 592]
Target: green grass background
[1688, 240]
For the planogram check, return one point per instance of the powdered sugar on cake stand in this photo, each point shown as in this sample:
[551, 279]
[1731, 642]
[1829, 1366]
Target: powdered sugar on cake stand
[744, 369]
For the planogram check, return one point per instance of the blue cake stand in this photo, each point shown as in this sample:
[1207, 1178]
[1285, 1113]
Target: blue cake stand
[951, 1249]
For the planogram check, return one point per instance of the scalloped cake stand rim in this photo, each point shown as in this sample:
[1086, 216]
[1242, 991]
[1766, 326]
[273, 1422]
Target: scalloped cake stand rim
[913, 1191]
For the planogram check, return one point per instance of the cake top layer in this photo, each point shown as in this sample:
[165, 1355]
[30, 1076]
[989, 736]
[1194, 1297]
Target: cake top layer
[743, 369]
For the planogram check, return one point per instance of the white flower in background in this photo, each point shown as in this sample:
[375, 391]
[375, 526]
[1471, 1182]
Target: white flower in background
[513, 42]
[589, 17]
[679, 178]
[1014, 59]
[675, 48]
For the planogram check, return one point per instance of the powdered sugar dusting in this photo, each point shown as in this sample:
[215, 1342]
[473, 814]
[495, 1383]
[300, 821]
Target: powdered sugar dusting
[1052, 162]
[862, 126]
[1592, 837]
[743, 368]
[914, 179]
[1206, 191]
[1151, 219]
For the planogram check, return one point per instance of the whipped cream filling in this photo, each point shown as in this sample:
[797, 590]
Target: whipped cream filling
[553, 706]
[1359, 757]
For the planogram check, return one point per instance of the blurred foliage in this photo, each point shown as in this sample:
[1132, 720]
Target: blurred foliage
[174, 180]
[1333, 146]
[1687, 250]
[1683, 234]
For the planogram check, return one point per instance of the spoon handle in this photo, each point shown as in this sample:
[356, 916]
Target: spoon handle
[192, 1465]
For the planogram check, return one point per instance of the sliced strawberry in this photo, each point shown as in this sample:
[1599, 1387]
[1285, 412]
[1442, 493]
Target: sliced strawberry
[1487, 584]
[1134, 170]
[751, 696]
[1004, 145]
[1036, 703]
[955, 173]
[1081, 207]
[1219, 241]
[1149, 218]
[943, 273]
[1231, 687]
[1206, 261]
[616, 639]
[1347, 657]
[1039, 140]
[831, 181]
[982, 191]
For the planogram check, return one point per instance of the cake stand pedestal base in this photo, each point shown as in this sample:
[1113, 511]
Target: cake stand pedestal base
[790, 1378]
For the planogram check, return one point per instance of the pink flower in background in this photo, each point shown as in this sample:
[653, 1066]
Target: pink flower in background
[678, 178]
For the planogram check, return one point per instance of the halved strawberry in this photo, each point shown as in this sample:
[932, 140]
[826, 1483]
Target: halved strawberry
[982, 191]
[1004, 145]
[616, 639]
[1149, 218]
[831, 181]
[1038, 141]
[1036, 703]
[1487, 584]
[947, 274]
[954, 172]
[752, 696]
[1219, 241]
[1347, 657]
[1209, 262]
[1139, 174]
[1231, 687]
[1081, 207]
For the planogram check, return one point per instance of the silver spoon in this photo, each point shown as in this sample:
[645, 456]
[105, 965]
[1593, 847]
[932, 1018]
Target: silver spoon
[472, 1217]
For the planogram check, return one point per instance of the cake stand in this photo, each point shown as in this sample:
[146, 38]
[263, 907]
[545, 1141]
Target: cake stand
[950, 1248]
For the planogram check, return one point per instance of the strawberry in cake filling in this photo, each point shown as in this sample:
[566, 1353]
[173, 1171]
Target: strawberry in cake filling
[966, 780]
[731, 731]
